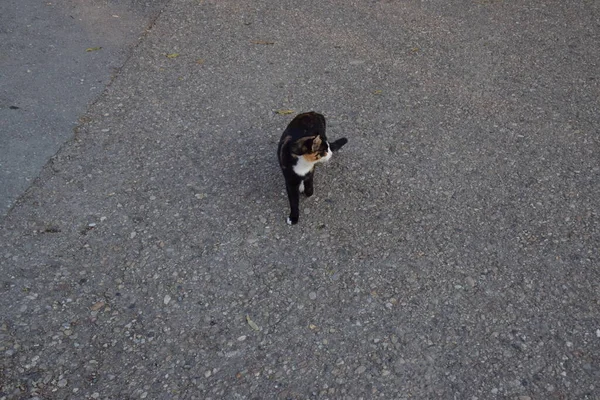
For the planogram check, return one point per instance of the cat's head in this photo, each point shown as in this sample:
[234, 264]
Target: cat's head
[312, 148]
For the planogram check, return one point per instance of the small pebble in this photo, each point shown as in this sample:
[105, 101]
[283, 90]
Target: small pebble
[598, 333]
[62, 383]
[312, 295]
[207, 374]
[132, 235]
[167, 299]
[144, 395]
[241, 338]
[360, 370]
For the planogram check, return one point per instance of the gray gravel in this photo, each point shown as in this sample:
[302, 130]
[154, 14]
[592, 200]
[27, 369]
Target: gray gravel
[452, 246]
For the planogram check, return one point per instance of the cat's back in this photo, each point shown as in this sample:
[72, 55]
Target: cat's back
[305, 124]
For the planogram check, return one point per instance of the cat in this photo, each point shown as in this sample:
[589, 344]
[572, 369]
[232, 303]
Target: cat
[303, 145]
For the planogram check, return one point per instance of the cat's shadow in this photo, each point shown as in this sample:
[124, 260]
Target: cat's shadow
[257, 178]
[264, 183]
[253, 181]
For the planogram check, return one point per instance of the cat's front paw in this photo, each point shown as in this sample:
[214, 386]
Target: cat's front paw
[292, 220]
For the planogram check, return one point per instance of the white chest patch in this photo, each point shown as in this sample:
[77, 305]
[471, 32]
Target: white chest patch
[303, 167]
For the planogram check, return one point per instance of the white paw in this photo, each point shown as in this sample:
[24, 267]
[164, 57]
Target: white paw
[289, 221]
[302, 187]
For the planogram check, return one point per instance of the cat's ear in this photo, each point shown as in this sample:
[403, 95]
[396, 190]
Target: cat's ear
[316, 144]
[335, 146]
[303, 145]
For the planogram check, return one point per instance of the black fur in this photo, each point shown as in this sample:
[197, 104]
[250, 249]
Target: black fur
[303, 137]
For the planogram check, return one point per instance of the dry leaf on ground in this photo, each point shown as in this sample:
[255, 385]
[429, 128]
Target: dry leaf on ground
[97, 306]
[252, 323]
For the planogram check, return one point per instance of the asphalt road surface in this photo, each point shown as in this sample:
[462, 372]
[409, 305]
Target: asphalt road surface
[450, 250]
[48, 79]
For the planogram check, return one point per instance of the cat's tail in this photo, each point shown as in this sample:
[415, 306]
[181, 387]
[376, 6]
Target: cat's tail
[335, 146]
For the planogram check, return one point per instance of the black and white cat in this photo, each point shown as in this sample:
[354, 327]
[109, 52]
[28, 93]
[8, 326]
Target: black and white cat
[303, 145]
